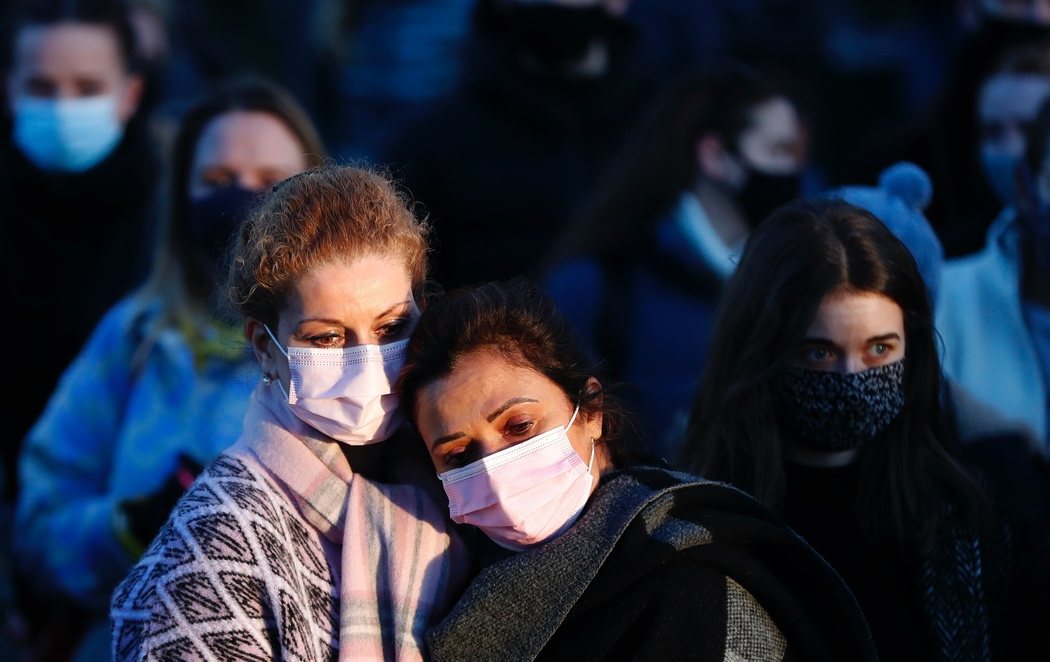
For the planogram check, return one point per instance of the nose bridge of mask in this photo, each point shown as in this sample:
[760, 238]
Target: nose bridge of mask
[502, 477]
[491, 462]
[362, 370]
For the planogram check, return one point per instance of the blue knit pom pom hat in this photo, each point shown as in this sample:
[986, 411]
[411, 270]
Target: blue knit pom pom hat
[903, 192]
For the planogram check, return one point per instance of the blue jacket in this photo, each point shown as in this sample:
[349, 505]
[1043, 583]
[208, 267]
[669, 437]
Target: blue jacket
[988, 348]
[113, 429]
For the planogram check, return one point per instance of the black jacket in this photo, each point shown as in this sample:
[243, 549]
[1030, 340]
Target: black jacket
[660, 566]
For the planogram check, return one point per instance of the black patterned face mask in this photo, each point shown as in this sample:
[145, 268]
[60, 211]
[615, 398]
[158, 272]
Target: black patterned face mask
[829, 411]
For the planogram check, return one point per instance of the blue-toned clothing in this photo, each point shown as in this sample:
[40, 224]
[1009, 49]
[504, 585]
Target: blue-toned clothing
[112, 430]
[1037, 317]
[650, 314]
[988, 347]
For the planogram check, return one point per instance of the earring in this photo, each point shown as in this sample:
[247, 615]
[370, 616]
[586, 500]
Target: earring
[267, 379]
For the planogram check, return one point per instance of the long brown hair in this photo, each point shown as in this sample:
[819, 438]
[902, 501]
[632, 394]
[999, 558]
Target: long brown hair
[910, 485]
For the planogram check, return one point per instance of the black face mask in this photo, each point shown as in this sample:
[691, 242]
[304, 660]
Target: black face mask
[558, 35]
[762, 193]
[211, 221]
[829, 412]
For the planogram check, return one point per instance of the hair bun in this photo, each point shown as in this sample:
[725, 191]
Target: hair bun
[908, 182]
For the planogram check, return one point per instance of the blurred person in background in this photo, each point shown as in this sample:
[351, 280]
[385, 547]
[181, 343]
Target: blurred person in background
[640, 270]
[1008, 101]
[162, 384]
[969, 132]
[993, 310]
[78, 177]
[550, 94]
[208, 42]
[389, 64]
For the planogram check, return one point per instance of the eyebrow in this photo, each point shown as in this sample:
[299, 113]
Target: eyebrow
[507, 405]
[406, 302]
[335, 322]
[883, 337]
[491, 417]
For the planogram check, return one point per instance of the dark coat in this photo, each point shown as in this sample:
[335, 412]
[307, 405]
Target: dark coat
[501, 167]
[661, 565]
[649, 315]
[71, 246]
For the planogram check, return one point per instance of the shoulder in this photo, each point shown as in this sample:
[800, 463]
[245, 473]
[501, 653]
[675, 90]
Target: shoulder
[672, 610]
[127, 318]
[714, 537]
[652, 485]
[233, 554]
[236, 488]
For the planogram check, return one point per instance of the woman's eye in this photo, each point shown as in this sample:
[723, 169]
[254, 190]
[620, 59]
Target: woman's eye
[817, 354]
[879, 349]
[518, 428]
[40, 87]
[216, 181]
[90, 88]
[460, 457]
[394, 329]
[327, 340]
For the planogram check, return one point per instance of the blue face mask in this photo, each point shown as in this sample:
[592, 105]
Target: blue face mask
[67, 135]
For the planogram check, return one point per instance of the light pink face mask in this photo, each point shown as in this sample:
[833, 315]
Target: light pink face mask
[348, 394]
[523, 495]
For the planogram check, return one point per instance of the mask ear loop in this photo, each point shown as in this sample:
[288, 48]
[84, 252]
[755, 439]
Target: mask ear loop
[573, 419]
[590, 463]
[275, 341]
[280, 386]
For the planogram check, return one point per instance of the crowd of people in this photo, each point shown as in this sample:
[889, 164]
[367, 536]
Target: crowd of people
[526, 329]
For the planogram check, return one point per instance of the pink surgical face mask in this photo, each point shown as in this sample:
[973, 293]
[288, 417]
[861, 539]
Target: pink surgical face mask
[348, 394]
[523, 495]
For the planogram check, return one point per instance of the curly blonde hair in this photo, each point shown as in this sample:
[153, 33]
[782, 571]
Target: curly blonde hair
[324, 214]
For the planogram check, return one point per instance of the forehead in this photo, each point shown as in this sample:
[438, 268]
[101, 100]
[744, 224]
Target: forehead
[1013, 95]
[248, 139]
[851, 316]
[774, 118]
[345, 289]
[479, 383]
[68, 49]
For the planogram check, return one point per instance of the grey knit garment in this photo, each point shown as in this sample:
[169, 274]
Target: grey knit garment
[491, 623]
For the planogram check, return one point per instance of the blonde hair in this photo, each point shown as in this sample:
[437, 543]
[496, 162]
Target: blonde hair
[324, 214]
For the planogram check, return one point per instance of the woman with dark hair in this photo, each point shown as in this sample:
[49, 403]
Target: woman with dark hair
[658, 237]
[822, 398]
[161, 385]
[586, 552]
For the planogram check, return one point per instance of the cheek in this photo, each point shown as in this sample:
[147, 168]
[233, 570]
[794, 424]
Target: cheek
[129, 92]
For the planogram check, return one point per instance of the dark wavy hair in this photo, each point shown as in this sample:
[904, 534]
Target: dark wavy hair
[803, 252]
[517, 320]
